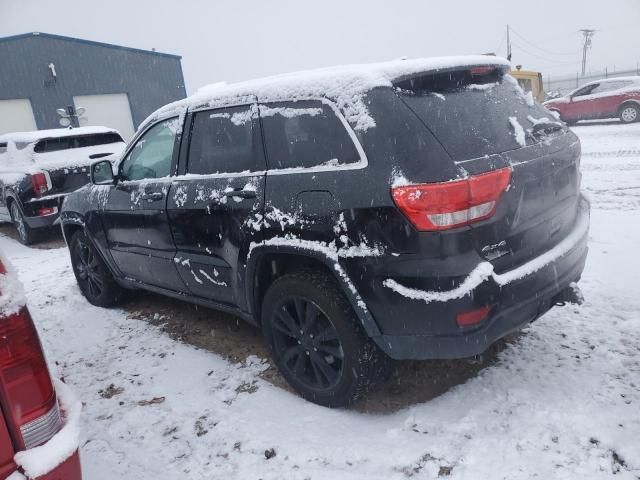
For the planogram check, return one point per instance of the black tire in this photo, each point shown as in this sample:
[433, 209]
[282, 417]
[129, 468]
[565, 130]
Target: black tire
[26, 234]
[629, 113]
[94, 278]
[336, 366]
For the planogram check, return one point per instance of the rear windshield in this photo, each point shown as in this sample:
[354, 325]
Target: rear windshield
[80, 141]
[474, 115]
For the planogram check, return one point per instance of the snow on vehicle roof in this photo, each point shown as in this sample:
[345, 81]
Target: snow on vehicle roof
[345, 84]
[635, 78]
[29, 137]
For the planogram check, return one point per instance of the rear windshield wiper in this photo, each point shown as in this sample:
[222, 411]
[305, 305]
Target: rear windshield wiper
[544, 127]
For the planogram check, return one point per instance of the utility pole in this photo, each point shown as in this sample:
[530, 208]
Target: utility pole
[508, 44]
[587, 33]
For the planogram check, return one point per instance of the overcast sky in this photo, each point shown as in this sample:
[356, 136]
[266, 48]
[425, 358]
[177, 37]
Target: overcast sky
[241, 39]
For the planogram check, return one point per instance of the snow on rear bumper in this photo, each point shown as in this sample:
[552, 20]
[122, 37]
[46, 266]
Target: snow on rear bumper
[58, 458]
[428, 329]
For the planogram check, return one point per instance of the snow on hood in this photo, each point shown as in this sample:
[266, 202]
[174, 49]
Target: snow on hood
[345, 84]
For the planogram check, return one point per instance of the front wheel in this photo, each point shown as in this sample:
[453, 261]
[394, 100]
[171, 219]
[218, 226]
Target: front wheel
[94, 278]
[317, 342]
[26, 234]
[629, 113]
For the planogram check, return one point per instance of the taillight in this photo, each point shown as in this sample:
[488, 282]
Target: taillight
[24, 379]
[442, 206]
[41, 183]
[43, 212]
[481, 70]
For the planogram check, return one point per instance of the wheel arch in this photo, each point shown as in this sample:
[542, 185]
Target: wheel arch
[630, 101]
[266, 264]
[73, 222]
[69, 229]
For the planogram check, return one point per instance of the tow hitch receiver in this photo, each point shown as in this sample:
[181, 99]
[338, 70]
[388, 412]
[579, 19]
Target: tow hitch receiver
[571, 294]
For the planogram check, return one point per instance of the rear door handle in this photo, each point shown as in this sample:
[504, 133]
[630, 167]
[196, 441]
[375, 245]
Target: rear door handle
[152, 196]
[242, 193]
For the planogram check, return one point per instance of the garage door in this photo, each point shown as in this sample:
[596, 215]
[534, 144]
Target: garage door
[16, 116]
[111, 110]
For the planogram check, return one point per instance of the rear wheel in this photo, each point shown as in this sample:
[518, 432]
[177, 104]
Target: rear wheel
[26, 235]
[629, 113]
[317, 341]
[94, 278]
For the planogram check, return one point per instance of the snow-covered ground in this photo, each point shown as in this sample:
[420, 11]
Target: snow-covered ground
[562, 402]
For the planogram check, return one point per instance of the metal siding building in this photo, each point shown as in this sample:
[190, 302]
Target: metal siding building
[52, 72]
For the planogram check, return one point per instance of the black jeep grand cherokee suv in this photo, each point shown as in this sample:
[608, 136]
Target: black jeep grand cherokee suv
[410, 210]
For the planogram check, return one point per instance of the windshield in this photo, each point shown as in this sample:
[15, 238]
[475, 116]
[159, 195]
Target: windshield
[473, 115]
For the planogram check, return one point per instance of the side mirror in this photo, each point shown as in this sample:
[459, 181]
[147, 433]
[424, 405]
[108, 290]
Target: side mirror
[102, 173]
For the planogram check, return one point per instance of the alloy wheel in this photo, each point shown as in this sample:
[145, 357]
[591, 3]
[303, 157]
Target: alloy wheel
[629, 114]
[88, 271]
[306, 343]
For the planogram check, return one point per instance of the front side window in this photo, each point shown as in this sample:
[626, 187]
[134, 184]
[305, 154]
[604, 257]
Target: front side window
[305, 134]
[222, 141]
[586, 90]
[152, 154]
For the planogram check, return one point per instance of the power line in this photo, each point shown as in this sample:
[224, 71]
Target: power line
[549, 52]
[549, 60]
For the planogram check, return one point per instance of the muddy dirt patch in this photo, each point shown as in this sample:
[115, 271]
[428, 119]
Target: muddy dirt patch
[410, 382]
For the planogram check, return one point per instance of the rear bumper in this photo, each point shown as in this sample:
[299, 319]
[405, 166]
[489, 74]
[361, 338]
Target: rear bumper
[31, 209]
[516, 298]
[68, 470]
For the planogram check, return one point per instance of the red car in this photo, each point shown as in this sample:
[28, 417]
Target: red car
[609, 98]
[39, 420]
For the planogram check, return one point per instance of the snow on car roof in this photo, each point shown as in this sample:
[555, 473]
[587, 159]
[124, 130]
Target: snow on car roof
[634, 78]
[29, 137]
[345, 84]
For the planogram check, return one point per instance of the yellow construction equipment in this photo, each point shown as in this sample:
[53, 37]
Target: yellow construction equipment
[530, 81]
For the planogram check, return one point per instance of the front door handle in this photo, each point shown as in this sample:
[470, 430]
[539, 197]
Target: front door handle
[153, 196]
[242, 193]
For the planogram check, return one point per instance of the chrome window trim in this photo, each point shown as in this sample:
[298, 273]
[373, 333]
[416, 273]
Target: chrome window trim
[363, 162]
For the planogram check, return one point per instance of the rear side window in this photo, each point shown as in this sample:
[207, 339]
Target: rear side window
[305, 134]
[222, 141]
[473, 115]
[3, 147]
[80, 141]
